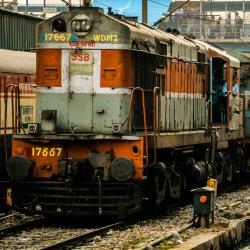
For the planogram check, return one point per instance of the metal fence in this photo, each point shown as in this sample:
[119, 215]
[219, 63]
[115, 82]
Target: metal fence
[49, 2]
[198, 21]
[4, 3]
[209, 27]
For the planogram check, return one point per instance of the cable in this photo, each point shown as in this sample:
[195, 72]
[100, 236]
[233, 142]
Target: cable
[170, 13]
[159, 3]
[102, 3]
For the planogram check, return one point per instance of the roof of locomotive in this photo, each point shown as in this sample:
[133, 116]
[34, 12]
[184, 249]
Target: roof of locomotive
[17, 62]
[216, 52]
[181, 47]
[129, 34]
[116, 32]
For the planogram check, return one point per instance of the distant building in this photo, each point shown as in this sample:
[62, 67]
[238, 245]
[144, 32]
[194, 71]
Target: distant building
[221, 22]
[17, 30]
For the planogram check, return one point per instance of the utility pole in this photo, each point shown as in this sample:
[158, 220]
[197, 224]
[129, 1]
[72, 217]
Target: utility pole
[87, 3]
[243, 22]
[145, 11]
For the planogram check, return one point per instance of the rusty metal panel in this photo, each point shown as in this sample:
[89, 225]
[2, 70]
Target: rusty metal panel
[17, 30]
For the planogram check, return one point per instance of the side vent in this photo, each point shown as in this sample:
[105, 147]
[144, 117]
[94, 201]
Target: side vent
[49, 67]
[51, 73]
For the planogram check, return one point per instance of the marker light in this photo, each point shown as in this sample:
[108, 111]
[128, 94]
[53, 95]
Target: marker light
[203, 199]
[20, 148]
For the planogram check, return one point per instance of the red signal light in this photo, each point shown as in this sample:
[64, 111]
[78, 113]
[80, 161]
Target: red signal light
[203, 199]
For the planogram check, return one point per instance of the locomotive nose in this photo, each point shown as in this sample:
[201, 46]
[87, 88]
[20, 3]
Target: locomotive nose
[19, 167]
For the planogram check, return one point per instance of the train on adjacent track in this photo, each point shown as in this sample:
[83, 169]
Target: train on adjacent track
[127, 115]
[17, 102]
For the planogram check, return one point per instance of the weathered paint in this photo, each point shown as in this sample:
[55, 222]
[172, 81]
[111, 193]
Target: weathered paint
[39, 152]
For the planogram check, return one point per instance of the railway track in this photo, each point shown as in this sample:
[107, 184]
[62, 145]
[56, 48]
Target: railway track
[6, 216]
[40, 234]
[22, 226]
[171, 234]
[71, 242]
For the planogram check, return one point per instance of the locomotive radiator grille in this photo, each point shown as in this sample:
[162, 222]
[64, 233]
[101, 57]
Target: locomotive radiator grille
[145, 77]
[78, 200]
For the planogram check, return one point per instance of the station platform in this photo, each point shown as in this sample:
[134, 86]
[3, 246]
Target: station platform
[215, 238]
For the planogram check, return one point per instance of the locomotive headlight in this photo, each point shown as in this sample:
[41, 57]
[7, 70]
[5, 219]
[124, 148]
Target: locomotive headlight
[81, 23]
[85, 25]
[76, 26]
[19, 167]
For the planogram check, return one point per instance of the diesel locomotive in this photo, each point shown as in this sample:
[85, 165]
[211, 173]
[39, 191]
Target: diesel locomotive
[127, 115]
[17, 104]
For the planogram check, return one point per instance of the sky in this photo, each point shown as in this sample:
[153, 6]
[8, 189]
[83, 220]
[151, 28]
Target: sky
[126, 7]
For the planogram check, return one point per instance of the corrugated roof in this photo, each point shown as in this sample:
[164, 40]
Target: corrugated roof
[17, 30]
[14, 13]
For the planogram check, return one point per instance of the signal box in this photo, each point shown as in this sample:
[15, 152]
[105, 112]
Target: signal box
[204, 203]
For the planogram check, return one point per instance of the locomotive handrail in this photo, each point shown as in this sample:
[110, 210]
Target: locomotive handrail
[127, 118]
[15, 111]
[156, 91]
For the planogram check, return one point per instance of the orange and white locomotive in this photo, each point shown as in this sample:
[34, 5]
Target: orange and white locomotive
[125, 115]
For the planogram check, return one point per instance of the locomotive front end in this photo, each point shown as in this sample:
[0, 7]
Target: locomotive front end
[77, 177]
[79, 159]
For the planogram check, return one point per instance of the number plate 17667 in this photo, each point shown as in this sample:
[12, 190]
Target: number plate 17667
[39, 151]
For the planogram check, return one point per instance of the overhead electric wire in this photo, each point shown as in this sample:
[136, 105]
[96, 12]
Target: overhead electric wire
[158, 3]
[170, 13]
[102, 3]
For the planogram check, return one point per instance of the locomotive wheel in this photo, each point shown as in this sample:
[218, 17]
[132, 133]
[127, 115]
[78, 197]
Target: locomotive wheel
[229, 171]
[237, 163]
[219, 172]
[219, 167]
[160, 179]
[157, 184]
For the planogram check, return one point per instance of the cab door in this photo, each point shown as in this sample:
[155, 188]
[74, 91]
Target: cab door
[81, 91]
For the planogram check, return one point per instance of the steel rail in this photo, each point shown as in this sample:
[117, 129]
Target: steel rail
[158, 241]
[151, 244]
[21, 226]
[4, 217]
[85, 236]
